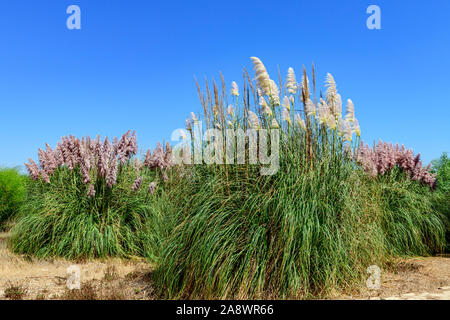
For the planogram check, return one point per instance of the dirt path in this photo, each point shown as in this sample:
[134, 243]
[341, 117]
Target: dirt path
[26, 278]
[426, 278]
[417, 279]
[46, 279]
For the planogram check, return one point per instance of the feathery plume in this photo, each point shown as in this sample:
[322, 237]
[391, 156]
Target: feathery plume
[111, 177]
[348, 133]
[262, 77]
[299, 121]
[194, 118]
[137, 184]
[385, 156]
[44, 176]
[168, 157]
[253, 120]
[285, 115]
[350, 111]
[91, 191]
[265, 107]
[275, 124]
[148, 156]
[331, 89]
[286, 103]
[188, 124]
[274, 92]
[338, 107]
[33, 169]
[152, 187]
[230, 111]
[310, 108]
[291, 82]
[234, 89]
[356, 129]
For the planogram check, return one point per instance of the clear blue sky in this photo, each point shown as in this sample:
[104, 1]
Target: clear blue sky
[132, 65]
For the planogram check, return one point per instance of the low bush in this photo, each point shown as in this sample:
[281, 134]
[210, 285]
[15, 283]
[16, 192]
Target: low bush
[406, 197]
[90, 198]
[12, 193]
[441, 203]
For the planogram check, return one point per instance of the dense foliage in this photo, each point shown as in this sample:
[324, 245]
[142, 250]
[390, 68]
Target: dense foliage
[12, 193]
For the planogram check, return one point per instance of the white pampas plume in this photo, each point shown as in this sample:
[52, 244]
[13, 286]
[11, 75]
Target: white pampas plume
[331, 123]
[275, 124]
[274, 92]
[350, 111]
[291, 82]
[262, 77]
[310, 108]
[356, 128]
[324, 112]
[234, 89]
[286, 103]
[285, 115]
[331, 89]
[300, 121]
[194, 117]
[188, 124]
[230, 111]
[340, 127]
[230, 124]
[305, 85]
[183, 135]
[265, 107]
[338, 107]
[253, 120]
[348, 132]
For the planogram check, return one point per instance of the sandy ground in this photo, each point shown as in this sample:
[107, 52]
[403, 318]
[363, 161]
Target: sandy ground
[47, 279]
[425, 278]
[27, 278]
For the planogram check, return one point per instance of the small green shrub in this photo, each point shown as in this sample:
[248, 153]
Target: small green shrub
[12, 193]
[441, 167]
[409, 220]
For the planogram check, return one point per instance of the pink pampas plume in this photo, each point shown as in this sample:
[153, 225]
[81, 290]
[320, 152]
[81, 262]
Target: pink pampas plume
[152, 187]
[148, 156]
[385, 156]
[111, 176]
[137, 184]
[44, 176]
[91, 191]
[33, 169]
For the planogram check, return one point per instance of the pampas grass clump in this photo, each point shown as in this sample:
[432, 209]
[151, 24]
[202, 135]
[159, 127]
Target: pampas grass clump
[91, 198]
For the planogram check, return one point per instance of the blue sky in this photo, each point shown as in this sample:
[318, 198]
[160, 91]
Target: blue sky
[132, 65]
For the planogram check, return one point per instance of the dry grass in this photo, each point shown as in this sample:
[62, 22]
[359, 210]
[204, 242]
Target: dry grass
[15, 292]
